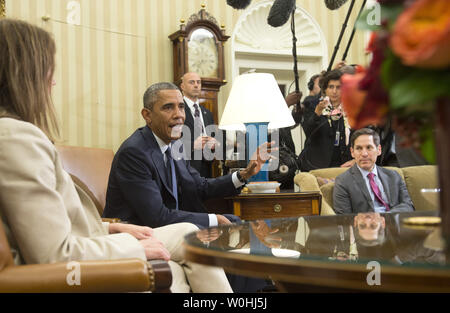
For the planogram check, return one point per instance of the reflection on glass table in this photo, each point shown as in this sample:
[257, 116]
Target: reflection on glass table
[431, 195]
[330, 251]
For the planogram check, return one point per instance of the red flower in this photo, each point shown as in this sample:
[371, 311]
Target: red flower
[363, 96]
[421, 35]
[361, 109]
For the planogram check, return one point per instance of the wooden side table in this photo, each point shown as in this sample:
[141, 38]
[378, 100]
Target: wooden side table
[252, 206]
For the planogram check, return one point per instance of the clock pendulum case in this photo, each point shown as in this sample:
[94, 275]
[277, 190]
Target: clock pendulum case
[198, 46]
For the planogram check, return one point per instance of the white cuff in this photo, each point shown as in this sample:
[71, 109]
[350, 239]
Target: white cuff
[236, 182]
[213, 220]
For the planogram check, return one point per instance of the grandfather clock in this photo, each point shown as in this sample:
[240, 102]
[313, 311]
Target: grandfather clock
[198, 46]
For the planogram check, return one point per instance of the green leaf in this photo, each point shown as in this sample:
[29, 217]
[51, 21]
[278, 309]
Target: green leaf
[390, 13]
[392, 70]
[419, 87]
[428, 147]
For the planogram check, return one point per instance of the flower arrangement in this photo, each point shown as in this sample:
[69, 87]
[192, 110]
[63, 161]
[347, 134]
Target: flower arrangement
[409, 71]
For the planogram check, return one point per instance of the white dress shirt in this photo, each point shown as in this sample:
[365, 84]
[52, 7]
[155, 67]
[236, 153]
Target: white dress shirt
[190, 104]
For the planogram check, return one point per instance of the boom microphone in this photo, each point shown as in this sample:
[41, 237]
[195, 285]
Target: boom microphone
[280, 12]
[354, 30]
[334, 4]
[336, 48]
[239, 4]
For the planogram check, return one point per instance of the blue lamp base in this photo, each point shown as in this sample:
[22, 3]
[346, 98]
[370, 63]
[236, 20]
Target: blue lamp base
[256, 135]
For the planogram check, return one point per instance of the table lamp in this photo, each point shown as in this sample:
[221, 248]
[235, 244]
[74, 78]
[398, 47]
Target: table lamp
[255, 105]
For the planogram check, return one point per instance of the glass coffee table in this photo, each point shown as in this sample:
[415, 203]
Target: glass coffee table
[358, 252]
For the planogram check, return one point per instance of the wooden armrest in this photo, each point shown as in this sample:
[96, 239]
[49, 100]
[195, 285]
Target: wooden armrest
[111, 220]
[163, 275]
[124, 275]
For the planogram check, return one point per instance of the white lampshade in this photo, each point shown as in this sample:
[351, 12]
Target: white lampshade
[255, 98]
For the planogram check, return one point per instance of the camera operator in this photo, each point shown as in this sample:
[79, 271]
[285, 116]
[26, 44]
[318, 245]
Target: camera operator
[326, 128]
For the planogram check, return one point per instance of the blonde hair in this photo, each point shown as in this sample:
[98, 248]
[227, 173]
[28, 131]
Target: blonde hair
[27, 63]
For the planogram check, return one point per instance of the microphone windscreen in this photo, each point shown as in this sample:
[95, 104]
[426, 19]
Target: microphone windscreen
[280, 12]
[334, 4]
[239, 4]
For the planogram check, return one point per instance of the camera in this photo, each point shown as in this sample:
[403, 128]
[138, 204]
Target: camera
[327, 99]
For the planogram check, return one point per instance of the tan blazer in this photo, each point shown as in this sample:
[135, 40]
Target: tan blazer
[46, 220]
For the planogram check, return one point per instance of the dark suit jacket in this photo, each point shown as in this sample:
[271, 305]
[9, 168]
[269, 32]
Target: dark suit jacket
[309, 104]
[202, 166]
[138, 191]
[350, 193]
[320, 136]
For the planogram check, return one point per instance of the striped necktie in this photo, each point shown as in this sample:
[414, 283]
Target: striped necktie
[171, 176]
[198, 125]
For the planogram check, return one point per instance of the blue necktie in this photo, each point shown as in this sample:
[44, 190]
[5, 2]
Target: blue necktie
[171, 176]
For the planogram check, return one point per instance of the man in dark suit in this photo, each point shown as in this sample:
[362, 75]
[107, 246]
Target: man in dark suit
[198, 118]
[151, 183]
[144, 187]
[366, 187]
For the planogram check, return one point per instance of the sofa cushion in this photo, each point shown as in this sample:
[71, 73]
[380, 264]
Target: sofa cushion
[329, 172]
[418, 177]
[327, 193]
[323, 181]
[396, 169]
[308, 182]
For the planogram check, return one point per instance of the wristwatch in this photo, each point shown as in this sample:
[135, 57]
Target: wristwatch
[241, 179]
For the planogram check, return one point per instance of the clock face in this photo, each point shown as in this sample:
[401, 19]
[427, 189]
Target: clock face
[203, 57]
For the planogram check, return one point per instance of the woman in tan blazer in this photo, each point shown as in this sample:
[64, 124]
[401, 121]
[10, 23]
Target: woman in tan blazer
[45, 218]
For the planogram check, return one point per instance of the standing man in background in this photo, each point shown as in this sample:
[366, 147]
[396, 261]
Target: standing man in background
[197, 119]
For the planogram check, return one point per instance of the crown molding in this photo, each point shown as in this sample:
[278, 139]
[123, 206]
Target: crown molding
[254, 32]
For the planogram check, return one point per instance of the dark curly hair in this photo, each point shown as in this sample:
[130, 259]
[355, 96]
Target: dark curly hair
[325, 79]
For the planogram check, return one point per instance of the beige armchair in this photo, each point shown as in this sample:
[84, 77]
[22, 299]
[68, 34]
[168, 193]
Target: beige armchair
[415, 177]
